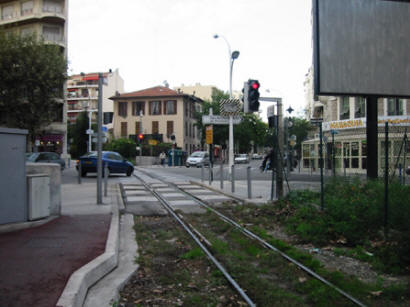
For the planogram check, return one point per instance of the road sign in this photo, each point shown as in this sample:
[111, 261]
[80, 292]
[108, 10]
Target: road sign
[271, 111]
[89, 131]
[219, 119]
[104, 140]
[209, 134]
[230, 106]
[315, 121]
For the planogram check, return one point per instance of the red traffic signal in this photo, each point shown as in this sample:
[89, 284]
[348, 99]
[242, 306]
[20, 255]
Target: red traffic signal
[255, 85]
[140, 137]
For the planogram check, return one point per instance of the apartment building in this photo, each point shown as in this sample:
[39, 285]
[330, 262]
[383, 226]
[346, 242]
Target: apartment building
[158, 113]
[48, 19]
[82, 95]
[344, 122]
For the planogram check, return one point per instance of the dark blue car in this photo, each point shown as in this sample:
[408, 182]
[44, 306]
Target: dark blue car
[116, 163]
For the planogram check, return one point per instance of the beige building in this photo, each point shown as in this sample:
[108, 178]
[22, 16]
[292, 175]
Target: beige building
[344, 121]
[158, 113]
[205, 92]
[48, 19]
[83, 95]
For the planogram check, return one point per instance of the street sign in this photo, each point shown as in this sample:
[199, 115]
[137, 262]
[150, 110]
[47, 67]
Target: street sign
[271, 111]
[104, 139]
[220, 120]
[153, 142]
[89, 131]
[104, 129]
[209, 134]
[230, 107]
[315, 121]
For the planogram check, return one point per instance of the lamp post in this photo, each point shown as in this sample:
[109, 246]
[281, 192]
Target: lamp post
[232, 57]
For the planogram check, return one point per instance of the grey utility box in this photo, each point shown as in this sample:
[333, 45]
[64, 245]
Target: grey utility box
[13, 187]
[38, 194]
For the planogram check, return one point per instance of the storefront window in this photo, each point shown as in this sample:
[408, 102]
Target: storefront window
[364, 155]
[355, 154]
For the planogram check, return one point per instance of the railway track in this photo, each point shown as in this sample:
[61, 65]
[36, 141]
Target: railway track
[155, 196]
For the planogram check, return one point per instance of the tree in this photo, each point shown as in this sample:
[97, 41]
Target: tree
[77, 134]
[220, 131]
[301, 128]
[32, 76]
[250, 131]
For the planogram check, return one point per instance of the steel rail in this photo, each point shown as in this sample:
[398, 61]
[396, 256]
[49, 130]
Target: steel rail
[263, 242]
[168, 207]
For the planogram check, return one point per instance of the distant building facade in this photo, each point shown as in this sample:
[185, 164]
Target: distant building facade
[47, 18]
[205, 92]
[344, 121]
[158, 113]
[82, 95]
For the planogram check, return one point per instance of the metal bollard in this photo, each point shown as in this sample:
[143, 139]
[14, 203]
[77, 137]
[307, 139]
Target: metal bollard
[210, 175]
[105, 179]
[233, 179]
[79, 172]
[202, 173]
[248, 176]
[222, 175]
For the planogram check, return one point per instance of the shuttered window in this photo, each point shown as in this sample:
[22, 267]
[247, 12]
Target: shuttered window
[170, 128]
[124, 129]
[155, 129]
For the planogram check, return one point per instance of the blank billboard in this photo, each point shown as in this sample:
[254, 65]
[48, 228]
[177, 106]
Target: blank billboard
[361, 47]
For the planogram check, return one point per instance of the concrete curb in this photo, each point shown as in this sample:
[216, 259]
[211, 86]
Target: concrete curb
[25, 225]
[81, 280]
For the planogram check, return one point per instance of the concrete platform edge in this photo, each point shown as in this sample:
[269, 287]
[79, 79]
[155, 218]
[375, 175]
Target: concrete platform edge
[81, 280]
[25, 225]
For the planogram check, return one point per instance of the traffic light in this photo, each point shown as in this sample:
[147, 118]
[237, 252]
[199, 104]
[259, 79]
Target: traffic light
[251, 96]
[140, 137]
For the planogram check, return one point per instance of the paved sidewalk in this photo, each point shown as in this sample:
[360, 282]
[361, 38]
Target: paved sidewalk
[36, 263]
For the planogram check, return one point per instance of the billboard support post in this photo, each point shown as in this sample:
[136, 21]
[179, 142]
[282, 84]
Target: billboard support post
[372, 138]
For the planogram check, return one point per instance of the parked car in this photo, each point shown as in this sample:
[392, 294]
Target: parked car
[408, 170]
[45, 157]
[257, 156]
[198, 158]
[115, 162]
[241, 158]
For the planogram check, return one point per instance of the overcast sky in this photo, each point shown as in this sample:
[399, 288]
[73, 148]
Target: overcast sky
[150, 41]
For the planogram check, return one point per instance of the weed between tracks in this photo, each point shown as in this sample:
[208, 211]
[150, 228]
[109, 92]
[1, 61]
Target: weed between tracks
[173, 270]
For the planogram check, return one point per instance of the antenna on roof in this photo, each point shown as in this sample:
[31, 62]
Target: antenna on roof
[165, 83]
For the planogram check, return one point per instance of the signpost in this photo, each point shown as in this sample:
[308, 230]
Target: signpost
[220, 120]
[209, 135]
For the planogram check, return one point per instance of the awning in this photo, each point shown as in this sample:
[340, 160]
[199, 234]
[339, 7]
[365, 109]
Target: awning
[91, 77]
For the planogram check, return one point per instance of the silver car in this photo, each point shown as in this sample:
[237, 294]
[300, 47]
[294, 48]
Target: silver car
[45, 157]
[198, 158]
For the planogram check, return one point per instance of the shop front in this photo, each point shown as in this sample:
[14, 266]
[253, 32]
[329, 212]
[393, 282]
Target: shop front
[50, 142]
[345, 145]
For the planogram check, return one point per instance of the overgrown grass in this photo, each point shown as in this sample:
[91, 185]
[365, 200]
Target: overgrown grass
[354, 216]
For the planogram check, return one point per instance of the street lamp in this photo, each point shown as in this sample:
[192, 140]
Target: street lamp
[232, 57]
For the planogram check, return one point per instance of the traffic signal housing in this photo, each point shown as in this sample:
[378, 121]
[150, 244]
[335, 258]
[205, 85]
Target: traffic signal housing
[251, 96]
[140, 137]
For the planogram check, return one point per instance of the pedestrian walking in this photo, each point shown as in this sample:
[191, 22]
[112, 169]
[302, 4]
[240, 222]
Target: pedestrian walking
[162, 157]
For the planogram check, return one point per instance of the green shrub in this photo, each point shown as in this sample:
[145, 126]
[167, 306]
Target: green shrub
[125, 147]
[354, 215]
